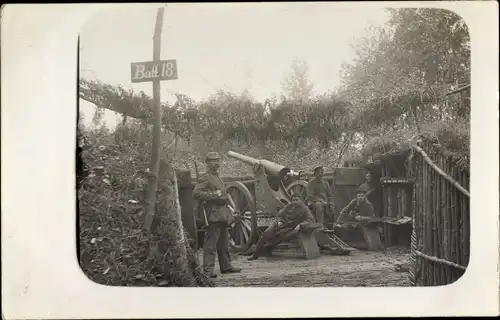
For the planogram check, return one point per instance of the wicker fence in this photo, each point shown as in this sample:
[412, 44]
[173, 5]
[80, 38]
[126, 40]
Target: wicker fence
[441, 220]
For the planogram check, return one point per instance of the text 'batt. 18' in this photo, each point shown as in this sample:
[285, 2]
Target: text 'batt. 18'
[153, 70]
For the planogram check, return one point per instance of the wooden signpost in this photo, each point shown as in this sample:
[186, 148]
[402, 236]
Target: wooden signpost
[154, 71]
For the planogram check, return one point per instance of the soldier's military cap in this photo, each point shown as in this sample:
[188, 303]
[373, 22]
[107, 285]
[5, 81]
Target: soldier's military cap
[212, 156]
[317, 168]
[362, 189]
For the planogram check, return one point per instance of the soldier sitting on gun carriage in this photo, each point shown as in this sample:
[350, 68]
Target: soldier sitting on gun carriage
[212, 192]
[358, 209]
[319, 196]
[285, 226]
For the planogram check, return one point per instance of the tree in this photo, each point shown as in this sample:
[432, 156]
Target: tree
[402, 71]
[297, 85]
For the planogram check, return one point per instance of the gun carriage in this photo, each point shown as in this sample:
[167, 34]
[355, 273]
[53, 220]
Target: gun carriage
[256, 201]
[269, 190]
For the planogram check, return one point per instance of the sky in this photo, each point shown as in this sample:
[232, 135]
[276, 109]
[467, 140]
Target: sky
[230, 46]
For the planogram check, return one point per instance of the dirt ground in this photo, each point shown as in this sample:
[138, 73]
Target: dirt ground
[284, 269]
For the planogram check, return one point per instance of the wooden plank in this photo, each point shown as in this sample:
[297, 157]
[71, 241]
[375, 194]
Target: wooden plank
[401, 231]
[394, 201]
[397, 181]
[188, 213]
[401, 200]
[389, 214]
[409, 204]
[372, 237]
[307, 241]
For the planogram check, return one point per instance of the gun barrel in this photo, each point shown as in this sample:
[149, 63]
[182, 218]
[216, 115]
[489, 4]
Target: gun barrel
[271, 168]
[243, 158]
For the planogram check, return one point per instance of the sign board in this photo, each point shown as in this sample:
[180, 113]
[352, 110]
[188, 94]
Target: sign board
[153, 70]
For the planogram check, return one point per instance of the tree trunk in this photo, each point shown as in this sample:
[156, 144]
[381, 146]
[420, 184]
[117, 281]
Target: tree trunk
[169, 244]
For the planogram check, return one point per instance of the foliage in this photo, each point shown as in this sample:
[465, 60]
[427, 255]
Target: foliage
[407, 66]
[113, 248]
[452, 139]
[227, 116]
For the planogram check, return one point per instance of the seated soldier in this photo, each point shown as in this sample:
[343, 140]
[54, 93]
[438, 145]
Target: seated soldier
[319, 196]
[358, 209]
[285, 226]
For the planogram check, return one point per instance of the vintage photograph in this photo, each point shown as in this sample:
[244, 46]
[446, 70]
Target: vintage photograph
[273, 145]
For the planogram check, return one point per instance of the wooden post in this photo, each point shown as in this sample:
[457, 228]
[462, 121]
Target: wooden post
[447, 225]
[440, 251]
[428, 222]
[466, 223]
[460, 199]
[154, 165]
[449, 229]
[433, 251]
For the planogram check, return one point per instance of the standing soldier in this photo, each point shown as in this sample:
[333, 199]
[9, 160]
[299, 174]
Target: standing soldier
[319, 196]
[368, 184]
[212, 193]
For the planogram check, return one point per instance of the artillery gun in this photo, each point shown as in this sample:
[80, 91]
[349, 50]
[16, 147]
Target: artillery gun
[253, 217]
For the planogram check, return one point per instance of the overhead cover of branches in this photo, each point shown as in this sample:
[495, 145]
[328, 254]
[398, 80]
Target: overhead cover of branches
[398, 79]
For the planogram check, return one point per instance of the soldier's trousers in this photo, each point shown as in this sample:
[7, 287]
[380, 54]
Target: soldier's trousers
[216, 240]
[319, 211]
[271, 237]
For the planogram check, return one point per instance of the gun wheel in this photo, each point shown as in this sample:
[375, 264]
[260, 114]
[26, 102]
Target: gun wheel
[244, 228]
[298, 187]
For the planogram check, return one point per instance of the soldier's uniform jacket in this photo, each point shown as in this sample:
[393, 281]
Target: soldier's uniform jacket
[363, 208]
[215, 206]
[294, 214]
[319, 189]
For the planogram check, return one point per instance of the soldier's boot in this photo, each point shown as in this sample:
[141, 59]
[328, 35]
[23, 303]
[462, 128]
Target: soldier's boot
[231, 270]
[210, 274]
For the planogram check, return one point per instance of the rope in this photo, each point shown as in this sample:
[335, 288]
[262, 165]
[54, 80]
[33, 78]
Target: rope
[438, 260]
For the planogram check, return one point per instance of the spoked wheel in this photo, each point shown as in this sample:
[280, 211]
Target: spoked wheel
[244, 228]
[298, 187]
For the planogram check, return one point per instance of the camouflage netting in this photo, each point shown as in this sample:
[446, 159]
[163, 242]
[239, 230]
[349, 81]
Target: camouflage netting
[448, 138]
